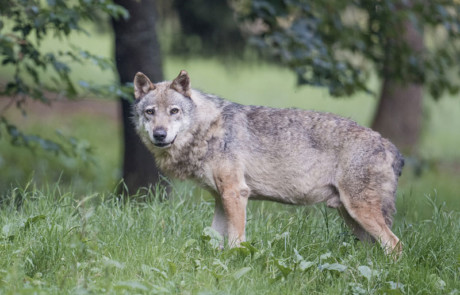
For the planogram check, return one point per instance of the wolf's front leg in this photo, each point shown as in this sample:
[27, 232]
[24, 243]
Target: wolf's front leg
[219, 222]
[234, 195]
[234, 205]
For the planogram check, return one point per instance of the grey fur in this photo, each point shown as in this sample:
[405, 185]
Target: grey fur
[290, 156]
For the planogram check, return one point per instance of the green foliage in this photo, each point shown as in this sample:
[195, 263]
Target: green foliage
[68, 146]
[331, 43]
[54, 241]
[46, 75]
[207, 28]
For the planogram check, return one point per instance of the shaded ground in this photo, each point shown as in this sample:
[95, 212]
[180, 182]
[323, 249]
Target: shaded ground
[91, 107]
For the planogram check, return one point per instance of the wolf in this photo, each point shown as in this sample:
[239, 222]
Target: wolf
[292, 156]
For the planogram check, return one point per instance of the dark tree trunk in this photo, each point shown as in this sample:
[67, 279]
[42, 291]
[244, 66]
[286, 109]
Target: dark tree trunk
[399, 112]
[137, 50]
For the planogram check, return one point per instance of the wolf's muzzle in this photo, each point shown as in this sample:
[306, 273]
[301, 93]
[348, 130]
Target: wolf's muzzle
[159, 135]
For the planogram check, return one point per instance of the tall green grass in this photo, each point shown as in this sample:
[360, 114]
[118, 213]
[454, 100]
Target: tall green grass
[55, 242]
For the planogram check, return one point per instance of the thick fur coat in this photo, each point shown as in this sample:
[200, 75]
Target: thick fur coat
[290, 156]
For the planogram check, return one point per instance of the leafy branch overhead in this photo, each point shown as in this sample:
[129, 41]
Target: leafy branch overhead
[41, 74]
[339, 44]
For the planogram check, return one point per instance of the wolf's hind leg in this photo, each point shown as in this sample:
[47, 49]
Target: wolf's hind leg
[366, 210]
[357, 229]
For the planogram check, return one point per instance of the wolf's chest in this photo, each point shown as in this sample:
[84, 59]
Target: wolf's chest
[186, 163]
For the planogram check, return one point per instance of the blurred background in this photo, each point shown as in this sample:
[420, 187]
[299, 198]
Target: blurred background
[67, 68]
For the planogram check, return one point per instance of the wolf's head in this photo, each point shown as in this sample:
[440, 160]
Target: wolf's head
[162, 110]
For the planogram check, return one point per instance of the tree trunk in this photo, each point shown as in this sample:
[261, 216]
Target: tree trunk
[137, 49]
[399, 112]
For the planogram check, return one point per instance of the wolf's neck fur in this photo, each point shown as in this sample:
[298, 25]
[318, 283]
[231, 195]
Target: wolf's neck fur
[185, 158]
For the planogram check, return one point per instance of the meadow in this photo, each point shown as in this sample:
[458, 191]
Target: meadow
[64, 230]
[55, 242]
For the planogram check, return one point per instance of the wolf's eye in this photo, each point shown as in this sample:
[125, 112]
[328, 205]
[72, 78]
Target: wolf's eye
[174, 111]
[150, 111]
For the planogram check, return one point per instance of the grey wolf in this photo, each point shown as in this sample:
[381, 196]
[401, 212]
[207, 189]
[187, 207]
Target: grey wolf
[291, 156]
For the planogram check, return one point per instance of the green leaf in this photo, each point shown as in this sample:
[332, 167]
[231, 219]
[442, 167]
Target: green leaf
[357, 289]
[285, 270]
[240, 250]
[163, 274]
[325, 256]
[172, 267]
[396, 286]
[241, 272]
[213, 237]
[131, 285]
[189, 243]
[304, 265]
[439, 283]
[113, 263]
[334, 266]
[365, 271]
[217, 262]
[298, 257]
[33, 220]
[7, 231]
[197, 263]
[250, 247]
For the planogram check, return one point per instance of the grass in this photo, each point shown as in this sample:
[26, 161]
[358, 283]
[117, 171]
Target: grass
[55, 242]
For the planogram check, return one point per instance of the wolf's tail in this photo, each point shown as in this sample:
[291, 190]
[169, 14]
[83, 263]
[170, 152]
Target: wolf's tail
[388, 202]
[398, 163]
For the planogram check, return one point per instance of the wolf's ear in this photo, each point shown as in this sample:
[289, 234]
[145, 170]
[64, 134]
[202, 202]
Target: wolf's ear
[182, 84]
[142, 85]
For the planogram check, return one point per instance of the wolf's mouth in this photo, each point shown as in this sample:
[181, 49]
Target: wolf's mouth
[164, 144]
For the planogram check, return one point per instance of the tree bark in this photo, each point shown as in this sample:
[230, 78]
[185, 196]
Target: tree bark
[399, 112]
[137, 49]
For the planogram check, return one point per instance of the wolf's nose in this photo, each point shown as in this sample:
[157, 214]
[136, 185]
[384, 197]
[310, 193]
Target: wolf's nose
[159, 134]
